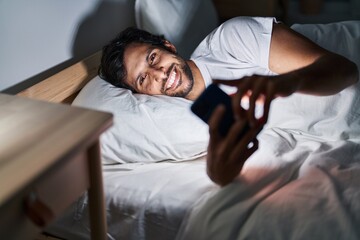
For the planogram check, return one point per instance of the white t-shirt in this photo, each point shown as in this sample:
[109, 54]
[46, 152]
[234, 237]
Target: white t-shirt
[239, 47]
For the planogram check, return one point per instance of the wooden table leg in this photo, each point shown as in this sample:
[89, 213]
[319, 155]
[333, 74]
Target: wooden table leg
[96, 194]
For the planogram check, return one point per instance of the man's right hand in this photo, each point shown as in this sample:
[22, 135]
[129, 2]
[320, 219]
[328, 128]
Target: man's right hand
[227, 155]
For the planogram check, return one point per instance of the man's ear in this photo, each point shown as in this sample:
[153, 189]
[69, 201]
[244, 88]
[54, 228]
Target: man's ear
[171, 47]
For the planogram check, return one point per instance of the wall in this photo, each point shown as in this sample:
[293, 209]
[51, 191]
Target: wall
[322, 11]
[231, 8]
[41, 37]
[292, 11]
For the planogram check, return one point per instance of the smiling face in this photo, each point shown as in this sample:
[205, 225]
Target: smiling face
[155, 71]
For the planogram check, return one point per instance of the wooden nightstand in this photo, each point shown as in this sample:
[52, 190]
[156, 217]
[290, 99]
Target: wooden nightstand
[49, 156]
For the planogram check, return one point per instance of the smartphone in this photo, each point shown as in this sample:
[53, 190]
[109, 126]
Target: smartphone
[206, 103]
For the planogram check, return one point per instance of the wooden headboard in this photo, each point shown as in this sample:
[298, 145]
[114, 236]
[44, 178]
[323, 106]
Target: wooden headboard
[65, 85]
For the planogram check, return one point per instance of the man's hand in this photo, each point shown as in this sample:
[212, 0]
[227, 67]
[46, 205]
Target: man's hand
[227, 155]
[259, 89]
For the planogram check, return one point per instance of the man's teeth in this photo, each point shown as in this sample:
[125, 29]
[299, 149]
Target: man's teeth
[171, 80]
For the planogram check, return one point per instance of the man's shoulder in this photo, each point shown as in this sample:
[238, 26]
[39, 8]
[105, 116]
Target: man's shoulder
[236, 31]
[247, 22]
[241, 27]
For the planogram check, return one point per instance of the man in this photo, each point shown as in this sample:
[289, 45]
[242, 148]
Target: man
[265, 59]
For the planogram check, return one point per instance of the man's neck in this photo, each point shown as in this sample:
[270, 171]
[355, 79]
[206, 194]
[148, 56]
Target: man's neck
[199, 82]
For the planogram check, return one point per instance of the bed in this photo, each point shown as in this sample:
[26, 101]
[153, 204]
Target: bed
[302, 183]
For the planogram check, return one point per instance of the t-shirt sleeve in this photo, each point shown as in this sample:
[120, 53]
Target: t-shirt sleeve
[244, 39]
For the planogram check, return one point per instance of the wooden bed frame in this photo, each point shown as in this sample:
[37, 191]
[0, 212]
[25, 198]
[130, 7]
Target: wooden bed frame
[63, 86]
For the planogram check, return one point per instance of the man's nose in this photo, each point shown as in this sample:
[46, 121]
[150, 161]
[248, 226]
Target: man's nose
[157, 74]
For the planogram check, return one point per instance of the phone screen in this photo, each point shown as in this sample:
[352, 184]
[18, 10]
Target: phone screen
[206, 103]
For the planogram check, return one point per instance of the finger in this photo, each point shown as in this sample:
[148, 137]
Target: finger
[250, 151]
[240, 161]
[239, 111]
[231, 139]
[240, 151]
[211, 159]
[253, 148]
[256, 91]
[270, 92]
[214, 123]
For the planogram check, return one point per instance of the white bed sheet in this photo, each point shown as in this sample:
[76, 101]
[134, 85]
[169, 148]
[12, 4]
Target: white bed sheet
[143, 201]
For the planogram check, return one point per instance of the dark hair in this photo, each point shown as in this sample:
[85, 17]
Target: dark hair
[112, 68]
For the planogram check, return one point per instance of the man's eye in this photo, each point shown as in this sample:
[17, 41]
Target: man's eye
[141, 80]
[152, 58]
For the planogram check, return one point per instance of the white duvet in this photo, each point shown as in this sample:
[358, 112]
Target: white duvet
[304, 181]
[295, 186]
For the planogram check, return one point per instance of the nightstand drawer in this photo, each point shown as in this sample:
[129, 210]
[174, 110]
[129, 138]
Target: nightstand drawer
[45, 199]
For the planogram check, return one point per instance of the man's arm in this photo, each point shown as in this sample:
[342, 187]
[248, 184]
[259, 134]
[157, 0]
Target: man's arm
[303, 67]
[312, 69]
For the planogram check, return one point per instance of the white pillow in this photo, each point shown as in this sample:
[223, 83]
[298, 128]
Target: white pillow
[185, 23]
[146, 128]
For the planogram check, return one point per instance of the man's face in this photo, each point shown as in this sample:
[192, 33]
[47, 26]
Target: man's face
[155, 71]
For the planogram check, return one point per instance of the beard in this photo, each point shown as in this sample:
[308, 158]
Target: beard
[186, 74]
